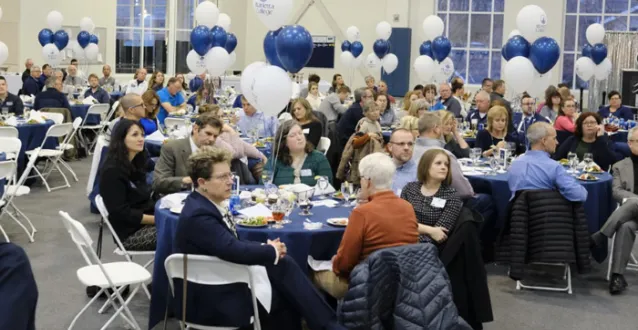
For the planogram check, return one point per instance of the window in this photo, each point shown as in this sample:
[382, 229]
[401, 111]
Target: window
[184, 25]
[475, 29]
[141, 35]
[615, 15]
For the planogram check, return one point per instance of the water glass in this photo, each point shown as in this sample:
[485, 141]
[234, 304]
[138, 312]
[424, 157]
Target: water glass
[588, 158]
[323, 184]
[266, 176]
[494, 165]
[573, 162]
[475, 155]
[5, 111]
[346, 191]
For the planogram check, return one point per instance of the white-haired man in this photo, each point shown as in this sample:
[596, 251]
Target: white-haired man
[451, 103]
[139, 85]
[385, 221]
[478, 115]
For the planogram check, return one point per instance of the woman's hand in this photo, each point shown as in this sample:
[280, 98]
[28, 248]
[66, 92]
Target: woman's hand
[438, 234]
[488, 152]
[601, 130]
[500, 145]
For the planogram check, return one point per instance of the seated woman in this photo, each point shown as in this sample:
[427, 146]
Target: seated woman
[124, 189]
[297, 161]
[152, 103]
[615, 108]
[314, 97]
[454, 141]
[388, 116]
[435, 203]
[411, 121]
[589, 137]
[553, 103]
[495, 135]
[157, 81]
[429, 93]
[337, 82]
[383, 220]
[203, 96]
[567, 116]
[409, 97]
[310, 125]
[369, 124]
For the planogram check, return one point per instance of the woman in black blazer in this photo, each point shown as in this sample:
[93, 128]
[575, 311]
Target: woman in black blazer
[123, 188]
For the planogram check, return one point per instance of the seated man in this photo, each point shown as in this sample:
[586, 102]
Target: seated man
[529, 117]
[251, 120]
[11, 102]
[478, 115]
[18, 289]
[385, 221]
[96, 91]
[171, 169]
[31, 85]
[171, 99]
[52, 97]
[131, 107]
[73, 79]
[535, 170]
[206, 228]
[623, 223]
[401, 147]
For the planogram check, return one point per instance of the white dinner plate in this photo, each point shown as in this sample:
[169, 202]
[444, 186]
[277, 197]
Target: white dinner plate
[177, 209]
[338, 222]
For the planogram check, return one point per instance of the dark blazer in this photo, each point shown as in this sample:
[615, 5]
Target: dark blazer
[14, 103]
[602, 149]
[26, 74]
[315, 130]
[51, 98]
[100, 95]
[201, 230]
[18, 289]
[31, 86]
[348, 122]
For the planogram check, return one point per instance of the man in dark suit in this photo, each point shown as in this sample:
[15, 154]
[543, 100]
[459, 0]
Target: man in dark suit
[8, 101]
[498, 95]
[18, 289]
[32, 86]
[206, 228]
[348, 122]
[52, 97]
[27, 71]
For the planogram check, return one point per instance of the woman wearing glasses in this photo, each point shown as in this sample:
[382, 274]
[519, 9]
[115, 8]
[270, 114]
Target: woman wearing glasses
[615, 108]
[567, 116]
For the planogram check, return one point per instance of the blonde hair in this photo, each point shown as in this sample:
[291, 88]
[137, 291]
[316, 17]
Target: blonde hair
[406, 101]
[200, 163]
[417, 105]
[213, 109]
[446, 117]
[494, 113]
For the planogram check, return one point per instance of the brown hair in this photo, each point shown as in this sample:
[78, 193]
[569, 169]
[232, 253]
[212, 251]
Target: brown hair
[208, 119]
[406, 100]
[148, 97]
[423, 170]
[579, 122]
[429, 87]
[306, 105]
[280, 147]
[387, 99]
[213, 109]
[417, 105]
[200, 163]
[496, 112]
[549, 94]
[151, 83]
[344, 89]
[497, 83]
[93, 75]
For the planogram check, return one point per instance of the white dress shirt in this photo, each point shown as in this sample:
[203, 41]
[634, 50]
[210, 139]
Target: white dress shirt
[134, 87]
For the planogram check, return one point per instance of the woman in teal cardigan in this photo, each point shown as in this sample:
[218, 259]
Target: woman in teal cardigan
[297, 161]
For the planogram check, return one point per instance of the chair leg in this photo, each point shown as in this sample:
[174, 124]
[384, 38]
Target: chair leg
[66, 165]
[569, 278]
[39, 174]
[4, 233]
[123, 307]
[31, 239]
[84, 309]
[33, 229]
[68, 185]
[611, 257]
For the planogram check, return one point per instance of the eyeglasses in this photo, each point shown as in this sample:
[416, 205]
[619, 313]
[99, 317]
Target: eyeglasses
[222, 177]
[590, 123]
[529, 103]
[404, 144]
[615, 98]
[139, 105]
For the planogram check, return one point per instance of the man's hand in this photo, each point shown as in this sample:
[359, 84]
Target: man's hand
[187, 180]
[279, 246]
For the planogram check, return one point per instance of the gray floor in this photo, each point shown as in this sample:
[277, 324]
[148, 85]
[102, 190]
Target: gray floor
[55, 259]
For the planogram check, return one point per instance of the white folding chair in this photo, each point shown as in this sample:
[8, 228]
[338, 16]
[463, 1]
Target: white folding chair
[68, 144]
[57, 118]
[120, 250]
[7, 170]
[9, 132]
[52, 155]
[113, 275]
[172, 123]
[207, 270]
[97, 109]
[324, 145]
[567, 275]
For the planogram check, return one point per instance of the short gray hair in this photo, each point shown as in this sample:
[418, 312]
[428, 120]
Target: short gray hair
[368, 78]
[537, 132]
[379, 169]
[358, 93]
[428, 122]
[369, 105]
[483, 94]
[631, 132]
[50, 82]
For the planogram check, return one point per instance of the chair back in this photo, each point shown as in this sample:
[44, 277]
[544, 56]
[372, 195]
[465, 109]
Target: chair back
[171, 122]
[199, 270]
[562, 136]
[59, 130]
[324, 145]
[98, 109]
[10, 145]
[99, 202]
[57, 118]
[80, 236]
[7, 168]
[9, 131]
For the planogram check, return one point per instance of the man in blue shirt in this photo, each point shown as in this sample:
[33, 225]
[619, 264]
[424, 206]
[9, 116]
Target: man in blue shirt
[256, 122]
[171, 99]
[535, 170]
[32, 85]
[96, 91]
[401, 147]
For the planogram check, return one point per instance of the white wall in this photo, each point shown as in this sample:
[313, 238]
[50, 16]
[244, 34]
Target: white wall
[9, 27]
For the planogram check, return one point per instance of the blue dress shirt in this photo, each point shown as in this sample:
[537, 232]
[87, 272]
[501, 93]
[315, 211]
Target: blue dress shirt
[405, 174]
[535, 170]
[174, 100]
[266, 126]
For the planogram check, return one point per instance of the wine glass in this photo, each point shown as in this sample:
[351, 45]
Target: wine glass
[287, 205]
[588, 158]
[323, 184]
[573, 162]
[346, 191]
[303, 198]
[278, 214]
[266, 176]
[494, 165]
[475, 155]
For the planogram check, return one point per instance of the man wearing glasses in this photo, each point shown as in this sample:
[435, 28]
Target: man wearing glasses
[529, 117]
[131, 107]
[348, 123]
[401, 148]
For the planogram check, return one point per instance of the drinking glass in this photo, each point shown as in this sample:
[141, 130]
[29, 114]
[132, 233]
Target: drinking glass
[494, 165]
[287, 206]
[266, 176]
[572, 157]
[304, 205]
[278, 214]
[5, 111]
[323, 184]
[346, 190]
[475, 155]
[588, 158]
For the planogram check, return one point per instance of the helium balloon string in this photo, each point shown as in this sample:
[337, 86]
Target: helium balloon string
[274, 161]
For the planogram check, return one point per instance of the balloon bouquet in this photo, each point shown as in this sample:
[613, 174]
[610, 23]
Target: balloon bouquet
[4, 50]
[86, 46]
[351, 50]
[435, 47]
[213, 47]
[53, 43]
[530, 56]
[382, 56]
[594, 62]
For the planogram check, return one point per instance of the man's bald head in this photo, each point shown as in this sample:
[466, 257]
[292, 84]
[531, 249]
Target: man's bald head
[130, 100]
[132, 106]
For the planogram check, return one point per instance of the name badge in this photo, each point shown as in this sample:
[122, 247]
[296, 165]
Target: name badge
[306, 130]
[306, 172]
[439, 203]
[9, 104]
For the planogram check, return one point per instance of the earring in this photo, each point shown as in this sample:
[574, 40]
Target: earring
[205, 189]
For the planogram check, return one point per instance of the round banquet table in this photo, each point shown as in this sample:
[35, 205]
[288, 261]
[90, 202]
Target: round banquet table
[321, 244]
[80, 110]
[32, 136]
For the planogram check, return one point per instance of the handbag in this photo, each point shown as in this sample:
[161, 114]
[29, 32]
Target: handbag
[184, 295]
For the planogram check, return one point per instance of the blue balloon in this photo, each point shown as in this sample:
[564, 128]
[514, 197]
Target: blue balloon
[218, 36]
[84, 38]
[544, 54]
[294, 46]
[381, 48]
[441, 48]
[45, 37]
[356, 49]
[426, 48]
[587, 50]
[504, 54]
[517, 46]
[270, 48]
[598, 53]
[345, 46]
[61, 39]
[94, 39]
[231, 43]
[200, 40]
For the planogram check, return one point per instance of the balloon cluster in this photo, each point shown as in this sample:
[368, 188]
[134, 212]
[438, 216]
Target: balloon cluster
[352, 48]
[381, 55]
[213, 47]
[53, 43]
[594, 61]
[86, 45]
[436, 47]
[289, 47]
[4, 50]
[530, 56]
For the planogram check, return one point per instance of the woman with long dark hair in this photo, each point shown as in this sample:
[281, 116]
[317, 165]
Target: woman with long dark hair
[337, 82]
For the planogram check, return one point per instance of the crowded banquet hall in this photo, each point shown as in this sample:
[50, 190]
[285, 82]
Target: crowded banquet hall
[314, 164]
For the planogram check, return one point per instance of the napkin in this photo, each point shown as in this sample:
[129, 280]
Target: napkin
[27, 98]
[297, 188]
[36, 116]
[90, 100]
[473, 173]
[172, 200]
[11, 121]
[328, 190]
[157, 136]
[259, 210]
[319, 265]
[325, 202]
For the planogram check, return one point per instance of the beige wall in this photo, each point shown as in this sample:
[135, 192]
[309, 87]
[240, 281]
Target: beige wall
[9, 33]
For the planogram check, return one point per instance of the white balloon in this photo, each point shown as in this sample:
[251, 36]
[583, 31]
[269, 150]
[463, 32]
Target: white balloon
[531, 22]
[86, 24]
[433, 27]
[296, 90]
[207, 14]
[92, 51]
[272, 90]
[54, 20]
[0, 13]
[384, 30]
[195, 63]
[273, 13]
[390, 63]
[540, 84]
[353, 34]
[51, 54]
[595, 33]
[513, 34]
[519, 74]
[248, 79]
[585, 68]
[603, 70]
[373, 61]
[347, 59]
[424, 67]
[217, 60]
[4, 52]
[357, 62]
[224, 21]
[232, 59]
[446, 69]
[78, 51]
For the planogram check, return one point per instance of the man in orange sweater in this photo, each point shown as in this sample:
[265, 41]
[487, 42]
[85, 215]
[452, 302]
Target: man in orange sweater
[384, 221]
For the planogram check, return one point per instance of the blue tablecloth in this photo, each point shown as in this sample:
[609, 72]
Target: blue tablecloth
[154, 148]
[322, 244]
[32, 136]
[79, 110]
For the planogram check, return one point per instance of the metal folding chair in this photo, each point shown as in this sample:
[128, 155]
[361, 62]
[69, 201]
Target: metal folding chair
[101, 110]
[52, 155]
